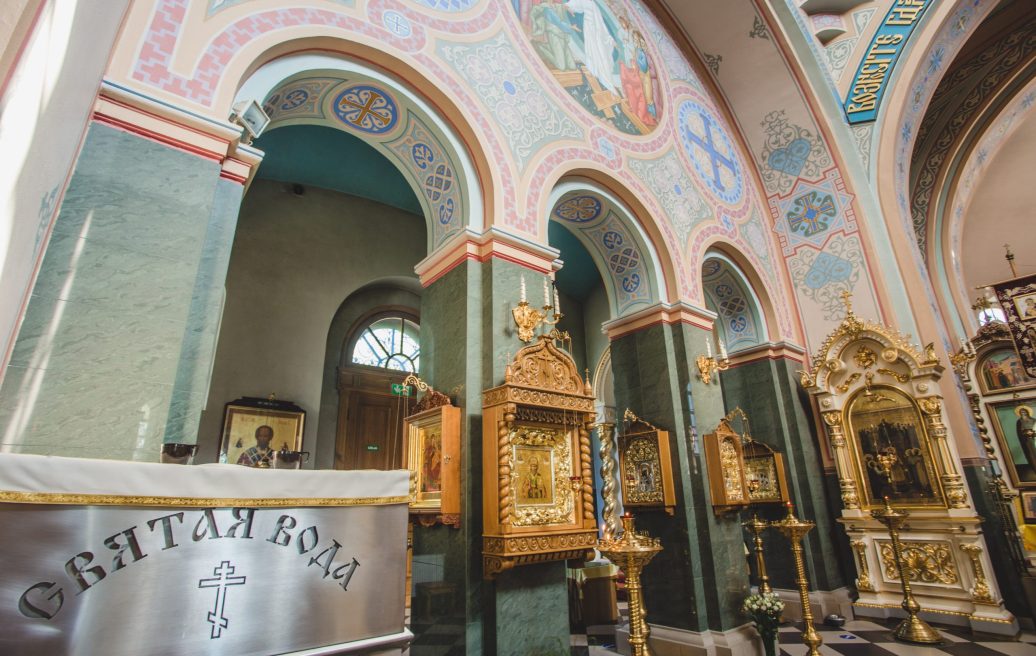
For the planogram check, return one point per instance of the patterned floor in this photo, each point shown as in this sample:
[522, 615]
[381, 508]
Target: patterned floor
[856, 638]
[860, 638]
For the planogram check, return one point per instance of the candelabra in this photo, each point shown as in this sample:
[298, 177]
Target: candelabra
[528, 318]
[912, 628]
[708, 365]
[757, 526]
[795, 530]
[631, 553]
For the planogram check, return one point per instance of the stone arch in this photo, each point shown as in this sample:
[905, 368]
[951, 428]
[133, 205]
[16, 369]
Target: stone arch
[321, 89]
[758, 311]
[624, 254]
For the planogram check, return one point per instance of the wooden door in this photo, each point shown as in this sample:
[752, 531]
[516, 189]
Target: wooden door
[370, 421]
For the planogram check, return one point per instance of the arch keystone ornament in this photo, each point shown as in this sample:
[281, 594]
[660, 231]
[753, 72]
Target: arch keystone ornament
[889, 442]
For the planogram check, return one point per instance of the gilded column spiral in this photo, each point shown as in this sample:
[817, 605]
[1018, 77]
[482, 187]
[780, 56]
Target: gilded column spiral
[586, 471]
[606, 433]
[504, 463]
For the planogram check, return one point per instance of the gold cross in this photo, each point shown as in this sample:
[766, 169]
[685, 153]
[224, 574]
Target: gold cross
[847, 300]
[366, 109]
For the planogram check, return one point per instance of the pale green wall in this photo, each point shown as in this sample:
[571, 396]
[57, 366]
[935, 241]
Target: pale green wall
[295, 260]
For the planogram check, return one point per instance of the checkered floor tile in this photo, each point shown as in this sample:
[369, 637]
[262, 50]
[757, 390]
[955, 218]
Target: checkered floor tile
[861, 638]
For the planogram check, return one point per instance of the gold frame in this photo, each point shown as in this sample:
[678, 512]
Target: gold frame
[255, 412]
[559, 507]
[866, 502]
[447, 499]
[777, 492]
[726, 467]
[653, 443]
[1005, 450]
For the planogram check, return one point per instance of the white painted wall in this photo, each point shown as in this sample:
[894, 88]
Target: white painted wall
[295, 259]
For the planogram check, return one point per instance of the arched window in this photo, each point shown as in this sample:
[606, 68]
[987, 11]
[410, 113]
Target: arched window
[388, 342]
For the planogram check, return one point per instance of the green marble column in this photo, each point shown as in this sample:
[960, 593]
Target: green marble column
[116, 338]
[698, 582]
[769, 393]
[467, 337]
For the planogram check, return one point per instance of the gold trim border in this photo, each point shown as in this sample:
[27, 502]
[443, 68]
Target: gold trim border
[64, 498]
[970, 616]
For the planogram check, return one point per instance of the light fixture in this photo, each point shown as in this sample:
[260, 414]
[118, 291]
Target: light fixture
[249, 115]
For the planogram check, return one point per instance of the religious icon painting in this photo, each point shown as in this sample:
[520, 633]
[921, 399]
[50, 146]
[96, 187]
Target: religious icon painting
[432, 454]
[1002, 370]
[1014, 423]
[645, 469]
[892, 450]
[597, 53]
[256, 429]
[541, 474]
[764, 473]
[1018, 300]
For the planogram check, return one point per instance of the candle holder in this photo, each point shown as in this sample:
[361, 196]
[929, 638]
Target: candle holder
[528, 318]
[912, 628]
[708, 366]
[757, 526]
[795, 530]
[631, 553]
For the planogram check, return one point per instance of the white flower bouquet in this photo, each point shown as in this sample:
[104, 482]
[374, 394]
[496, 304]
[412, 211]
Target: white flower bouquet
[765, 611]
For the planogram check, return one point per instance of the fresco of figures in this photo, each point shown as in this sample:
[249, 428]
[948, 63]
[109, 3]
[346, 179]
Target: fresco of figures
[599, 56]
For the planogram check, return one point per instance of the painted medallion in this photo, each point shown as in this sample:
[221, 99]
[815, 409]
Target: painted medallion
[598, 56]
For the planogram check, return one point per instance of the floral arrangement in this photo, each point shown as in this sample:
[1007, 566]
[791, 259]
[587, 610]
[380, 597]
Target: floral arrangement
[765, 611]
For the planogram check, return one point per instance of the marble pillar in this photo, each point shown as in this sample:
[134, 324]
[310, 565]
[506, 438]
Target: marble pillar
[467, 337]
[116, 338]
[767, 390]
[700, 579]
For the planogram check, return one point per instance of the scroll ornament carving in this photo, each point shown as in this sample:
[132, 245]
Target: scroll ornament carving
[980, 593]
[827, 357]
[924, 562]
[544, 367]
[931, 405]
[863, 582]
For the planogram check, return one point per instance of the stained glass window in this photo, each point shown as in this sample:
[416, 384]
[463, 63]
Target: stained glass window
[390, 343]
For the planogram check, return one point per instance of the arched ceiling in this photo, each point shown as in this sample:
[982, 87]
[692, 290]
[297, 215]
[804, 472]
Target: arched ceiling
[319, 156]
[999, 58]
[1001, 210]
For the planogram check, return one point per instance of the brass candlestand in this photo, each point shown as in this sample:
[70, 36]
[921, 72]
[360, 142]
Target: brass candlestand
[631, 553]
[795, 530]
[757, 526]
[912, 628]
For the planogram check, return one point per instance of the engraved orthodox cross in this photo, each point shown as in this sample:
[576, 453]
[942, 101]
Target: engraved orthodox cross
[221, 582]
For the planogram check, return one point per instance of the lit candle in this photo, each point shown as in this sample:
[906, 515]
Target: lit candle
[722, 350]
[523, 289]
[546, 292]
[557, 302]
[708, 346]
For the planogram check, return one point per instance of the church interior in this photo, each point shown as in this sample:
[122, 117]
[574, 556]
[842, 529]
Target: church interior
[672, 327]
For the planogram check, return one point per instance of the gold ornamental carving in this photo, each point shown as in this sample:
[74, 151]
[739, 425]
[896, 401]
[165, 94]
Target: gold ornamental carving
[863, 582]
[865, 358]
[544, 367]
[980, 593]
[925, 562]
[733, 475]
[894, 346]
[902, 378]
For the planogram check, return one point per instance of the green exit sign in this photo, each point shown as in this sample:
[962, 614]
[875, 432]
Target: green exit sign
[400, 390]
[372, 447]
